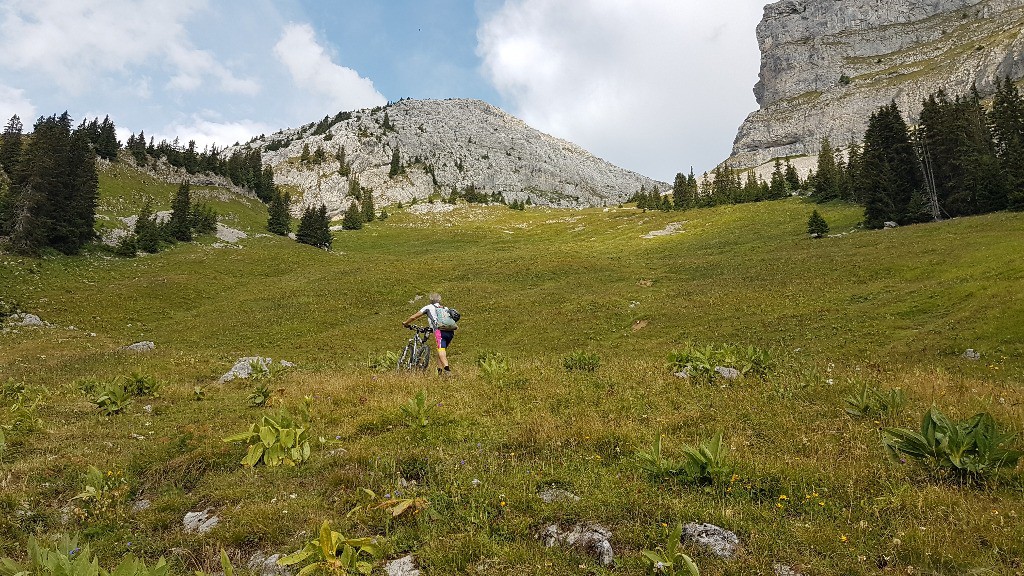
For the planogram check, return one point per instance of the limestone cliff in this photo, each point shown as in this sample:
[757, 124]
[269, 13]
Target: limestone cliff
[826, 65]
[443, 144]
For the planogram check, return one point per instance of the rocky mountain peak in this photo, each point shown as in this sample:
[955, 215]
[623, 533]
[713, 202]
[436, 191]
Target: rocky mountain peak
[442, 145]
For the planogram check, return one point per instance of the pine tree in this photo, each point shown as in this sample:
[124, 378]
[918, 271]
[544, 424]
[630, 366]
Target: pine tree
[107, 145]
[817, 227]
[1007, 120]
[304, 156]
[147, 232]
[84, 181]
[10, 146]
[178, 227]
[396, 163]
[679, 199]
[344, 168]
[280, 220]
[323, 229]
[890, 181]
[777, 188]
[353, 219]
[793, 183]
[853, 167]
[369, 212]
[314, 228]
[826, 176]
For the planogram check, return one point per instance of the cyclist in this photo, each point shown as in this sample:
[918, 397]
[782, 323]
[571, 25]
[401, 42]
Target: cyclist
[442, 336]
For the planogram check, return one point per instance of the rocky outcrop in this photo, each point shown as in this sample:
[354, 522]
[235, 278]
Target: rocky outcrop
[442, 144]
[826, 65]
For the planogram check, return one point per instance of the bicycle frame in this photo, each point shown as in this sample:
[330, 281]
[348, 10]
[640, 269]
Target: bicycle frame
[416, 354]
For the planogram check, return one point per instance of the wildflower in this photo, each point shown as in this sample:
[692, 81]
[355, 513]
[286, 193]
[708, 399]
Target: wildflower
[778, 505]
[783, 497]
[502, 503]
[75, 551]
[843, 538]
[663, 525]
[821, 503]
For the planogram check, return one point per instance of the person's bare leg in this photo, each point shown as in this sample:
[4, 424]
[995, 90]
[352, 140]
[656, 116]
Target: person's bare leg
[442, 355]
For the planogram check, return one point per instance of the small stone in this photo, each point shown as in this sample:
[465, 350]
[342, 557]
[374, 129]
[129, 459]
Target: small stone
[890, 224]
[286, 363]
[260, 563]
[783, 570]
[201, 522]
[728, 373]
[718, 541]
[243, 368]
[550, 495]
[971, 354]
[141, 346]
[593, 539]
[404, 566]
[31, 320]
[141, 505]
[684, 374]
[138, 437]
[148, 408]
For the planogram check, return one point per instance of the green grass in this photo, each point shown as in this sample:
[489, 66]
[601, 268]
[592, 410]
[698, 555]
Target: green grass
[892, 308]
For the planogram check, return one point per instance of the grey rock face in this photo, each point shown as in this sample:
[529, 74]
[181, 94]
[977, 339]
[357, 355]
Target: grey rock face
[826, 66]
[444, 144]
[592, 539]
[718, 541]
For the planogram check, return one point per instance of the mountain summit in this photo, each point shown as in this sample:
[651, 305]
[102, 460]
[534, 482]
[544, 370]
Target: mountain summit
[416, 149]
[827, 65]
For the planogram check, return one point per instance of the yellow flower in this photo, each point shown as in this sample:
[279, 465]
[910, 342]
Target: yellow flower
[843, 538]
[783, 497]
[502, 502]
[822, 503]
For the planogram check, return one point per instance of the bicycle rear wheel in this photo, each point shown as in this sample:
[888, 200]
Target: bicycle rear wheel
[423, 358]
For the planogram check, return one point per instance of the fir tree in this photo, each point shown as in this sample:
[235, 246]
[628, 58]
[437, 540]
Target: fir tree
[304, 156]
[178, 226]
[1007, 121]
[369, 212]
[793, 182]
[826, 176]
[817, 227]
[679, 192]
[314, 228]
[107, 145]
[396, 163]
[890, 180]
[353, 219]
[354, 189]
[10, 146]
[323, 229]
[777, 188]
[147, 232]
[84, 181]
[280, 220]
[344, 168]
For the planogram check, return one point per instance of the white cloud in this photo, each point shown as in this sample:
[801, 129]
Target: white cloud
[13, 101]
[207, 132]
[651, 85]
[72, 43]
[332, 87]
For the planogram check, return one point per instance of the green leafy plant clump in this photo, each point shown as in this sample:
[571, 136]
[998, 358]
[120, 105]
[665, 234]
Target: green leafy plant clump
[700, 362]
[582, 361]
[704, 464]
[67, 558]
[972, 449]
[418, 411]
[668, 559]
[334, 553]
[274, 442]
[871, 401]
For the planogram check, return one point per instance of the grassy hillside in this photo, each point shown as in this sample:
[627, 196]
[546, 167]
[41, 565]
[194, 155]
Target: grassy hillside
[812, 488]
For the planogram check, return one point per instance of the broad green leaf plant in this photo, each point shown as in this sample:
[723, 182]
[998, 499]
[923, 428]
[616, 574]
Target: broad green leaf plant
[334, 554]
[274, 442]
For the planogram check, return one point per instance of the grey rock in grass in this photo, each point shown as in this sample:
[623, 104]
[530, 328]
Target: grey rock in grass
[592, 539]
[227, 234]
[971, 354]
[783, 570]
[141, 505]
[890, 224]
[201, 522]
[141, 346]
[264, 565]
[684, 374]
[728, 373]
[28, 320]
[404, 566]
[243, 367]
[552, 494]
[718, 541]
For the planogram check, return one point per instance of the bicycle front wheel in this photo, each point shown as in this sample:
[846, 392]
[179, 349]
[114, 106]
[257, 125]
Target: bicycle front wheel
[405, 358]
[423, 358]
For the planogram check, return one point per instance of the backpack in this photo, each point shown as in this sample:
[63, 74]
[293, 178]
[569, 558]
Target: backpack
[445, 319]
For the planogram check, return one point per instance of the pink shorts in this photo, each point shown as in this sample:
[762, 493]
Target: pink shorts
[444, 338]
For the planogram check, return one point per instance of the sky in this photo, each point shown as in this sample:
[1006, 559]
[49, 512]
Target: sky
[654, 86]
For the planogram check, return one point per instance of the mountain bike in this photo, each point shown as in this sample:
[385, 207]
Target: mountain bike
[416, 354]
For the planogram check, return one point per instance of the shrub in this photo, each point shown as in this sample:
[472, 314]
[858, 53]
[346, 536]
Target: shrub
[382, 361]
[142, 385]
[127, 247]
[817, 227]
[203, 218]
[699, 362]
[581, 361]
[973, 449]
[274, 442]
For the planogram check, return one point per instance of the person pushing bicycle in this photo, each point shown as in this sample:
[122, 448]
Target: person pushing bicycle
[443, 321]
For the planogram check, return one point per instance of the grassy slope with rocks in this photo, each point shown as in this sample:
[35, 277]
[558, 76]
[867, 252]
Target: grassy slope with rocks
[812, 488]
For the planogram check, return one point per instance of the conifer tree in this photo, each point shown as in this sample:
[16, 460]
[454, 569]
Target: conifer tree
[353, 219]
[323, 229]
[890, 181]
[793, 182]
[679, 199]
[396, 163]
[777, 188]
[107, 145]
[10, 146]
[147, 232]
[1007, 121]
[280, 220]
[304, 156]
[369, 213]
[817, 227]
[354, 189]
[178, 226]
[344, 168]
[84, 182]
[826, 176]
[853, 164]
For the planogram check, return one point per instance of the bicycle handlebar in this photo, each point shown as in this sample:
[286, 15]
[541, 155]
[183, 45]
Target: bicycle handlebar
[419, 329]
